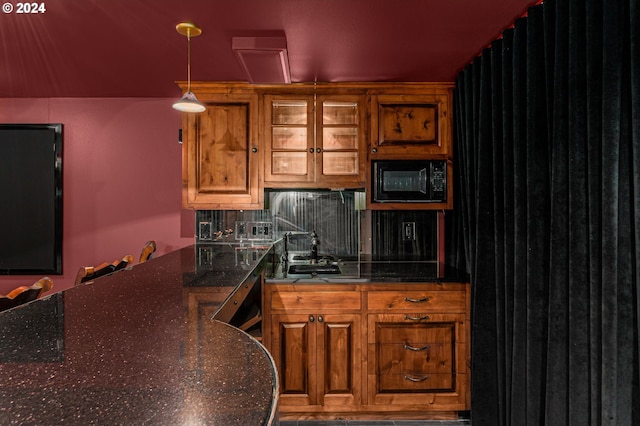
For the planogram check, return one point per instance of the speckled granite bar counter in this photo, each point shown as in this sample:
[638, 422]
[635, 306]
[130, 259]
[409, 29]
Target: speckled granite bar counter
[126, 350]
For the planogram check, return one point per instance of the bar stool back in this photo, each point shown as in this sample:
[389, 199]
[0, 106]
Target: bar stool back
[24, 294]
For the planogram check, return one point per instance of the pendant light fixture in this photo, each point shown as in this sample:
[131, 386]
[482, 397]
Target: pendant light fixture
[189, 102]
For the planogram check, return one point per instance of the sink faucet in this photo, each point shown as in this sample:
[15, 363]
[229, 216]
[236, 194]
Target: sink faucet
[314, 247]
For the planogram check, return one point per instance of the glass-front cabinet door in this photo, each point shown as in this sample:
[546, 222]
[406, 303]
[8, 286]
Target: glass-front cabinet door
[290, 139]
[314, 140]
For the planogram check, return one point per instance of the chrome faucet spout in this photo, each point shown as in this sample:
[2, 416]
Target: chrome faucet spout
[314, 247]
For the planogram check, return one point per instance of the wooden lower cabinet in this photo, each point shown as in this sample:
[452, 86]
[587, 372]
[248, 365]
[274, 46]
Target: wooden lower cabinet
[367, 351]
[319, 359]
[417, 362]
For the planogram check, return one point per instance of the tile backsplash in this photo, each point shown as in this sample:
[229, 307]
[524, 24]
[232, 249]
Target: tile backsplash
[333, 215]
[339, 218]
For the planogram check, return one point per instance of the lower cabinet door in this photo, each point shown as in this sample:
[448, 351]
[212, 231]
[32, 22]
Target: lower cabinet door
[293, 347]
[339, 368]
[319, 360]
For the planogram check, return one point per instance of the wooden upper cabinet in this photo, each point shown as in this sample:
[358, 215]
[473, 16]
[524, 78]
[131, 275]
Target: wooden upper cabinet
[314, 141]
[221, 157]
[411, 125]
[306, 135]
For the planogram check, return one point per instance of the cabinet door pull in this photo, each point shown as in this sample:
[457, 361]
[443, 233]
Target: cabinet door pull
[311, 319]
[416, 379]
[320, 319]
[413, 348]
[424, 299]
[318, 150]
[311, 150]
[410, 318]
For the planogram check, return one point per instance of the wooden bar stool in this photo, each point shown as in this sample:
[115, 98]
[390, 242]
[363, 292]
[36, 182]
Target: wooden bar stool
[148, 249]
[88, 273]
[24, 294]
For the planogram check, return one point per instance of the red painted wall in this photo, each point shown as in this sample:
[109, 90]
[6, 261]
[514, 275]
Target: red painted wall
[121, 178]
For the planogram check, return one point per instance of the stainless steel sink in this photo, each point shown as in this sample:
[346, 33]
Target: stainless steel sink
[314, 269]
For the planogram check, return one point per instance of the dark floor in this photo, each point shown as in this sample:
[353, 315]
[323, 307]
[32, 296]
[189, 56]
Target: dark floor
[461, 422]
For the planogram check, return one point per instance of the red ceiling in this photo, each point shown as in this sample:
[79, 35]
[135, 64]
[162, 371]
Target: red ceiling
[130, 48]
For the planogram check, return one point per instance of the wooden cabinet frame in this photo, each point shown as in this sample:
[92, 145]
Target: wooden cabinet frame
[361, 310]
[381, 105]
[221, 157]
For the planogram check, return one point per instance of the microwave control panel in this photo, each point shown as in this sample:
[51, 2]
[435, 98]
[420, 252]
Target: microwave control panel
[438, 184]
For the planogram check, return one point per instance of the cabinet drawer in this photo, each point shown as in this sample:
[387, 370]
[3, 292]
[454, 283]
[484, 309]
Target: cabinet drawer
[316, 301]
[422, 301]
[412, 382]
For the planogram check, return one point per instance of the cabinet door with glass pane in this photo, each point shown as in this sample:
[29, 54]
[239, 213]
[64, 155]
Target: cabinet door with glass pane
[289, 139]
[340, 141]
[314, 141]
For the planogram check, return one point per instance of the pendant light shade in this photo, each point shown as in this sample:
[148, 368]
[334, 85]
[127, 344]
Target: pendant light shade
[189, 102]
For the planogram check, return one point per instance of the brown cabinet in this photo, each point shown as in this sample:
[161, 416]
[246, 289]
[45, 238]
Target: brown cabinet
[314, 334]
[307, 135]
[416, 125]
[221, 157]
[318, 356]
[314, 140]
[356, 350]
[417, 347]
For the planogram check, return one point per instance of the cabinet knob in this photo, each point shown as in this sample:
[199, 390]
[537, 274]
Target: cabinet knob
[311, 319]
[320, 319]
[318, 150]
[374, 149]
[254, 149]
[311, 150]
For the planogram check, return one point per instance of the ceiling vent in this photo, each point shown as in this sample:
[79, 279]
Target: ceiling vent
[264, 59]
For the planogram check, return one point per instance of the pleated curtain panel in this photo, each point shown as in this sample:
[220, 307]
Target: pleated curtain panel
[547, 133]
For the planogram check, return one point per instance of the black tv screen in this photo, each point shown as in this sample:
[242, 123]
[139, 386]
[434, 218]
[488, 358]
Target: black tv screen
[31, 206]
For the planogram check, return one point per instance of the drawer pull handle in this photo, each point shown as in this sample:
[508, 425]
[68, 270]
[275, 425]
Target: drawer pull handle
[410, 318]
[424, 299]
[413, 348]
[416, 379]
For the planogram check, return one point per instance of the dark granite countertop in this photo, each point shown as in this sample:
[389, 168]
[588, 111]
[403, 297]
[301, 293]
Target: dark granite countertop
[126, 349]
[367, 271]
[363, 269]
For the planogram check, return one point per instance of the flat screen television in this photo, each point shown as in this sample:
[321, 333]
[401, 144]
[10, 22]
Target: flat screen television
[31, 199]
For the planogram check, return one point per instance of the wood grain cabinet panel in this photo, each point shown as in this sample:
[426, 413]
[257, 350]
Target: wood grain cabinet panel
[370, 350]
[417, 354]
[411, 300]
[411, 125]
[318, 358]
[221, 156]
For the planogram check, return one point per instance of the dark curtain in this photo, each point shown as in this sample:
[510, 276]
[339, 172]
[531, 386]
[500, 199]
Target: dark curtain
[547, 137]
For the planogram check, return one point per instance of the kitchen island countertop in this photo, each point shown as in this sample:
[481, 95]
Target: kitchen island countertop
[119, 350]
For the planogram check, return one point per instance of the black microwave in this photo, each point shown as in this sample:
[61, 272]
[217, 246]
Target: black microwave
[409, 181]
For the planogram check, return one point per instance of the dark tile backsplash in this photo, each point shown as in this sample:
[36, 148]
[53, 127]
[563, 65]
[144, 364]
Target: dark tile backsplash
[340, 220]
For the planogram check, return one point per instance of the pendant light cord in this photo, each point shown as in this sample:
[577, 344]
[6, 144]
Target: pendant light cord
[188, 59]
